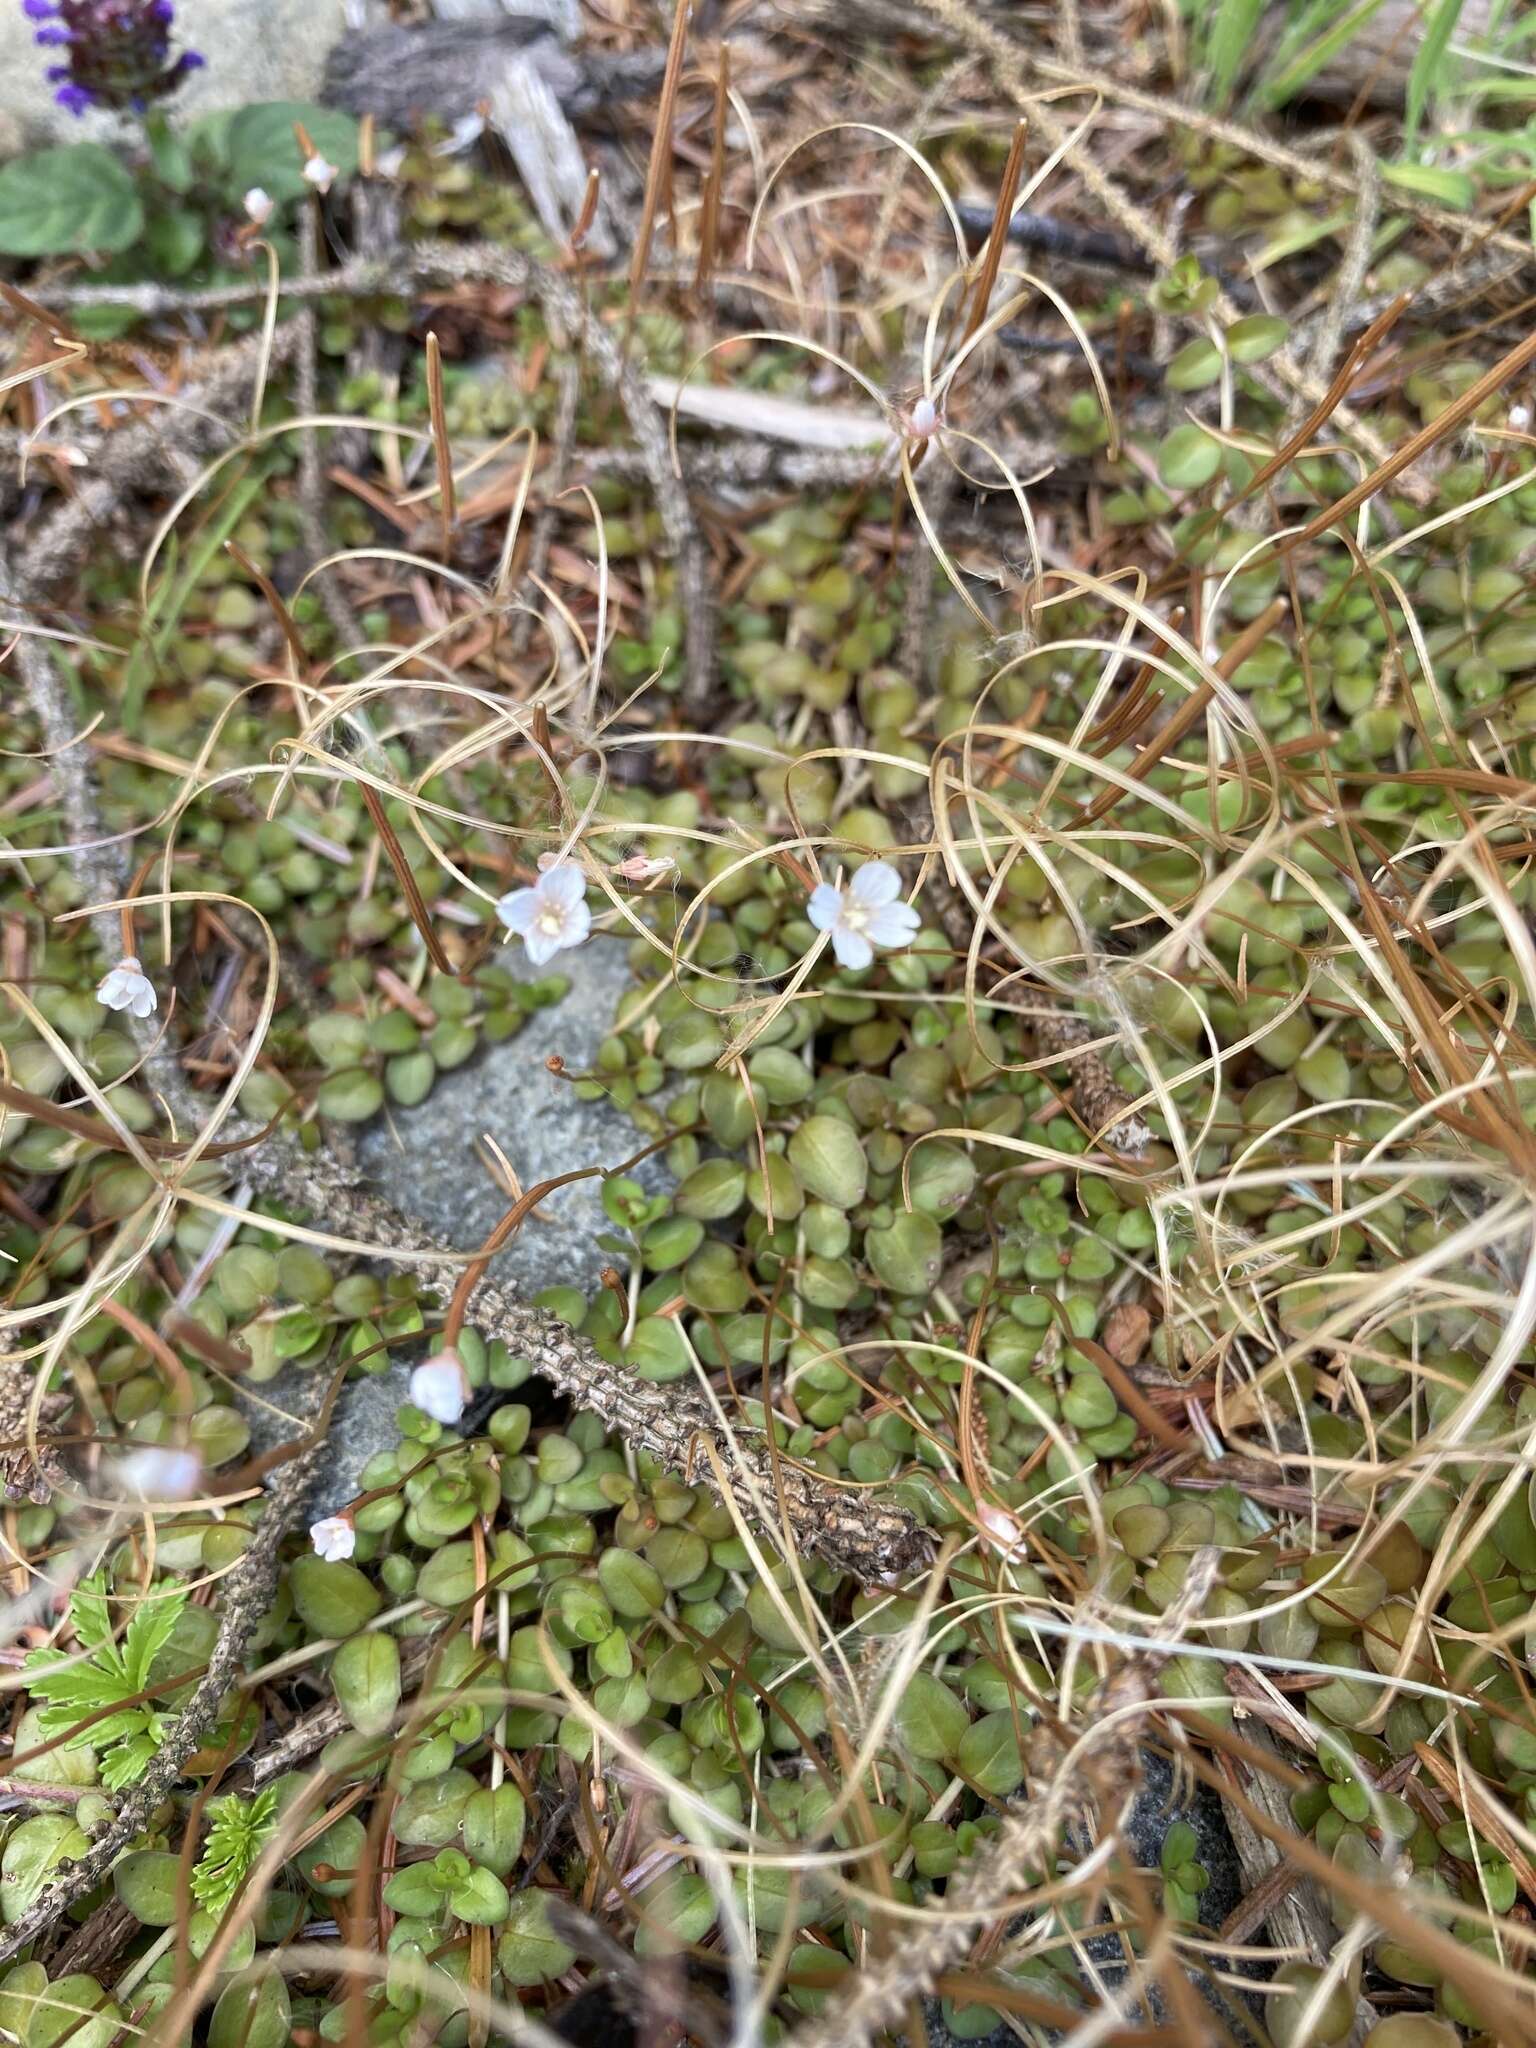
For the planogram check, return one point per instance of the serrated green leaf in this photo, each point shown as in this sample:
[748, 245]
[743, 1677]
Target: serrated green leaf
[236, 1837]
[264, 150]
[127, 1761]
[89, 1615]
[67, 201]
[149, 1629]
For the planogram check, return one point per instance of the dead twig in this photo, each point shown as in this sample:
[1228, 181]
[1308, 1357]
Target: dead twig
[847, 1527]
[245, 1596]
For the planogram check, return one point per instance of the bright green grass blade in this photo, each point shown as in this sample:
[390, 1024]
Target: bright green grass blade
[170, 600]
[1229, 41]
[1293, 67]
[1424, 76]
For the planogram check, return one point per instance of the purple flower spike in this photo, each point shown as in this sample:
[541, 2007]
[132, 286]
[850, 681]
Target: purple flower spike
[119, 51]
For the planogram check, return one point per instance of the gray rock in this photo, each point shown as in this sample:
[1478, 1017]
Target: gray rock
[254, 50]
[424, 1160]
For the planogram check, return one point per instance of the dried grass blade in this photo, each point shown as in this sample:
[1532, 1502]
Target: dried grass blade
[403, 875]
[661, 151]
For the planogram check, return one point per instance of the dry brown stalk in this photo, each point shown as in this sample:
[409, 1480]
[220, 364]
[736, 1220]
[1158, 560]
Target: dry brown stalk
[1012, 65]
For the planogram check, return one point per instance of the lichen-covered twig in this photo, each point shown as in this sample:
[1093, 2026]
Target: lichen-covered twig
[245, 1596]
[98, 866]
[147, 456]
[312, 1731]
[1099, 1768]
[445, 263]
[1349, 285]
[672, 1425]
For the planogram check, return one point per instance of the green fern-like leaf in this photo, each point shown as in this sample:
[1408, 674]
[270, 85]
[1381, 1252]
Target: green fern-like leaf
[93, 1698]
[237, 1834]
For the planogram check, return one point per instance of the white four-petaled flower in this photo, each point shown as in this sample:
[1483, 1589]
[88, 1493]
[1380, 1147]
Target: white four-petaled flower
[868, 913]
[333, 1538]
[127, 987]
[258, 206]
[319, 173]
[550, 916]
[160, 1472]
[439, 1387]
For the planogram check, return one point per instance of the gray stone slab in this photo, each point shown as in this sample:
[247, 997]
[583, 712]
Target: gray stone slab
[424, 1160]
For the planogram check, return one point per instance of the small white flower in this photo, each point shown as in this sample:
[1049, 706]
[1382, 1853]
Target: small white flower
[127, 987]
[924, 420]
[439, 1388]
[258, 206]
[158, 1472]
[999, 1526]
[640, 867]
[319, 173]
[868, 913]
[333, 1538]
[1519, 417]
[550, 916]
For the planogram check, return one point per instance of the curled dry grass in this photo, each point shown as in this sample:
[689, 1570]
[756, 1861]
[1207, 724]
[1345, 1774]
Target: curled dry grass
[1461, 1147]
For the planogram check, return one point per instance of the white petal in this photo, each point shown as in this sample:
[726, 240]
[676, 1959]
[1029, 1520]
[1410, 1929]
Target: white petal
[158, 1472]
[542, 946]
[518, 908]
[578, 923]
[851, 948]
[438, 1388]
[876, 882]
[564, 884]
[893, 924]
[334, 1538]
[142, 1000]
[824, 906]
